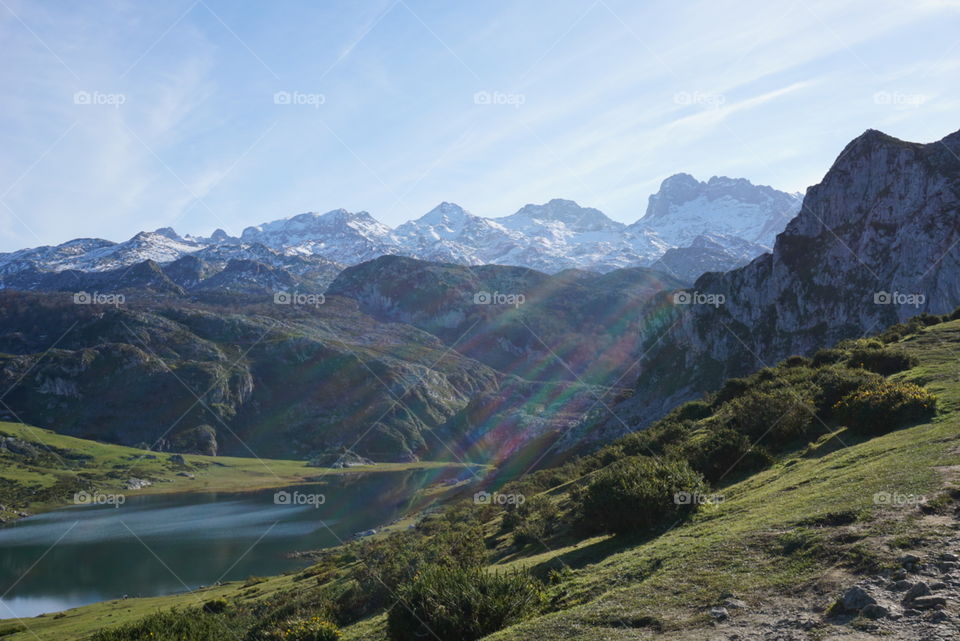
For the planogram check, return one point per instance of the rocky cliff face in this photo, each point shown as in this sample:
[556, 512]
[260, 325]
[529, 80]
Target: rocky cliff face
[877, 241]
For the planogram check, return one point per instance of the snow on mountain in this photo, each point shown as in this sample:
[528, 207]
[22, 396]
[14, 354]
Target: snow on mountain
[449, 233]
[720, 223]
[685, 208]
[339, 235]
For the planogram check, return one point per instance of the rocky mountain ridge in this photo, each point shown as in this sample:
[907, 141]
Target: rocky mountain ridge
[735, 215]
[877, 241]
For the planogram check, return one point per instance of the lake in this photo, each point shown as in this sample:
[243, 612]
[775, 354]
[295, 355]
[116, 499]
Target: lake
[161, 544]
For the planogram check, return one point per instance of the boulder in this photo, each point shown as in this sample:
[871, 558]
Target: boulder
[719, 613]
[875, 611]
[929, 602]
[919, 589]
[856, 599]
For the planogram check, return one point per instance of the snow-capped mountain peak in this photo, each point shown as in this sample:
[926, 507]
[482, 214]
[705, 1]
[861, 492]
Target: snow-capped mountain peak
[559, 210]
[723, 222]
[685, 208]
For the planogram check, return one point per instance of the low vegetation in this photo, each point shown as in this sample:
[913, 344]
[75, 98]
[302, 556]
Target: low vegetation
[780, 467]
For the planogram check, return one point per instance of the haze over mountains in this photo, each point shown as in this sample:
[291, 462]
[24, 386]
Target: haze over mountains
[495, 379]
[689, 227]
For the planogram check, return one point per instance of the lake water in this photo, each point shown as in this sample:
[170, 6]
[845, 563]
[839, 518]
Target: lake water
[162, 544]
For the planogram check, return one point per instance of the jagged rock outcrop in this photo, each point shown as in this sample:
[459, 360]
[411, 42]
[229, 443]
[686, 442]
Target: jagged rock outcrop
[876, 242]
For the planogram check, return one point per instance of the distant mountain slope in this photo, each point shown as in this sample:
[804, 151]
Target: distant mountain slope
[573, 325]
[877, 241]
[738, 218]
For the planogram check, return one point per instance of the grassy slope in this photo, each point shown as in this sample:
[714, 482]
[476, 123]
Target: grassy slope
[743, 545]
[67, 462]
[774, 536]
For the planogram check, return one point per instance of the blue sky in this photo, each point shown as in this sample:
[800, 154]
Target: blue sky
[121, 116]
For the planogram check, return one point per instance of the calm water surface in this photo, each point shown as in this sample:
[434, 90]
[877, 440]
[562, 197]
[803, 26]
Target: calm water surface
[162, 544]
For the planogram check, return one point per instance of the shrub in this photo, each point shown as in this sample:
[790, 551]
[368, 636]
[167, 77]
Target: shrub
[449, 540]
[462, 604]
[828, 356]
[774, 415]
[638, 494]
[173, 625]
[884, 361]
[215, 606]
[731, 389]
[532, 520]
[796, 361]
[724, 452]
[309, 629]
[885, 406]
[836, 382]
[692, 411]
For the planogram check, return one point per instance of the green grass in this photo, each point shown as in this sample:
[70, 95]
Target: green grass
[66, 464]
[778, 531]
[777, 535]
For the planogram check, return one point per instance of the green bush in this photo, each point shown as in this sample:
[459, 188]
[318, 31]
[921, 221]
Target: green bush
[306, 629]
[884, 361]
[174, 625]
[461, 604]
[731, 389]
[773, 416]
[215, 606]
[836, 382]
[453, 539]
[828, 356]
[724, 453]
[885, 406]
[796, 361]
[537, 518]
[638, 494]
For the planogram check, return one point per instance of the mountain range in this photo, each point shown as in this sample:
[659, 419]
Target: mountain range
[490, 362]
[689, 228]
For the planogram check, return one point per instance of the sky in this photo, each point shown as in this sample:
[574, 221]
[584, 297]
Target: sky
[122, 116]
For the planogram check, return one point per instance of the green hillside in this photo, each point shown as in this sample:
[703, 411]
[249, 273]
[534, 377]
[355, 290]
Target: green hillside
[829, 505]
[40, 469]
